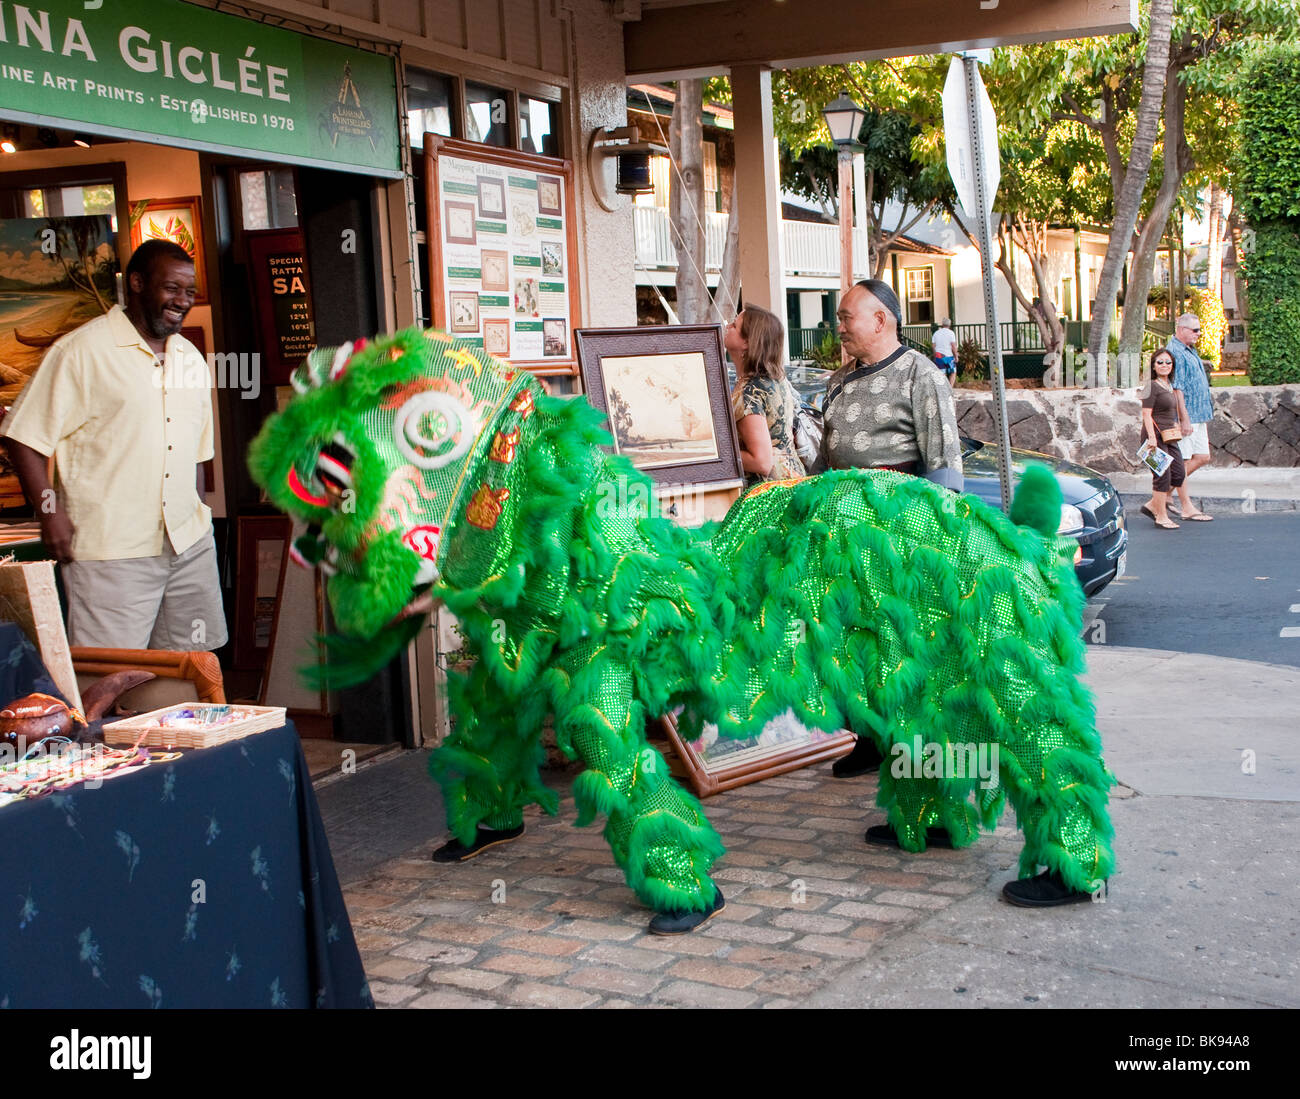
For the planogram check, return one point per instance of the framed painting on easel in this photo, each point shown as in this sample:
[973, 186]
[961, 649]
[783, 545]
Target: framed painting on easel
[714, 763]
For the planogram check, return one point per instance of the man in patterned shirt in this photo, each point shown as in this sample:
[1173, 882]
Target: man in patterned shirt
[1190, 377]
[888, 408]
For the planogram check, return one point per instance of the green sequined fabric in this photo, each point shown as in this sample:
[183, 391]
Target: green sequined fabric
[866, 600]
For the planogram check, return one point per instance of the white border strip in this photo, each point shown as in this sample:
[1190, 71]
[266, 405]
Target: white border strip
[198, 146]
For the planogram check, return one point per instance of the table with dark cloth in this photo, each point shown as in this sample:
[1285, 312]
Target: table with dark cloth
[201, 882]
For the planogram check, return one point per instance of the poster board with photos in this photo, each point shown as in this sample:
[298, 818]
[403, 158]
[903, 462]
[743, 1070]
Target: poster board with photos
[713, 763]
[503, 258]
[665, 392]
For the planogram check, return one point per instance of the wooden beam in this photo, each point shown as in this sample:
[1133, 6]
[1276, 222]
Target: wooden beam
[708, 38]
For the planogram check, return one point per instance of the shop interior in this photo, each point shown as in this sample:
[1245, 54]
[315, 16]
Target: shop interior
[286, 257]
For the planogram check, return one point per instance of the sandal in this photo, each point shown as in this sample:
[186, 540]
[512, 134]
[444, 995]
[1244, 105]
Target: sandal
[1147, 512]
[1167, 524]
[1199, 517]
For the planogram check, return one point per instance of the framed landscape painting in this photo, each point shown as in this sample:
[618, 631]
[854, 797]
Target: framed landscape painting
[714, 763]
[664, 390]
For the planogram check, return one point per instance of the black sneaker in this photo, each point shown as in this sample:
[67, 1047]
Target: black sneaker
[455, 851]
[882, 835]
[1045, 891]
[679, 923]
[863, 760]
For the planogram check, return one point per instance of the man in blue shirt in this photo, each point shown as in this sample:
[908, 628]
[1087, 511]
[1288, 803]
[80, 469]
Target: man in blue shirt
[1190, 377]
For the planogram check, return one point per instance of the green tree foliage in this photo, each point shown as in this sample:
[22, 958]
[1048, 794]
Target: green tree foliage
[1269, 161]
[1097, 82]
[899, 100]
[1214, 325]
[1271, 269]
[1269, 191]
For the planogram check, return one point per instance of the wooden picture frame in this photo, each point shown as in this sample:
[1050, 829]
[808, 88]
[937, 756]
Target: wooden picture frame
[178, 220]
[263, 553]
[524, 223]
[550, 199]
[495, 270]
[677, 424]
[461, 223]
[552, 259]
[710, 770]
[464, 311]
[496, 337]
[492, 198]
[555, 334]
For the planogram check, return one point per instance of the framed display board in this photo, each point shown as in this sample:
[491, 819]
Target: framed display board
[503, 251]
[665, 391]
[714, 764]
[277, 277]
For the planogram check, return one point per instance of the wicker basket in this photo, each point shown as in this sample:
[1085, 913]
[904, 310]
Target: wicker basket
[126, 732]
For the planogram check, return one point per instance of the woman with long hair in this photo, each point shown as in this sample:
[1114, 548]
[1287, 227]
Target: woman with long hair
[1160, 426]
[763, 402]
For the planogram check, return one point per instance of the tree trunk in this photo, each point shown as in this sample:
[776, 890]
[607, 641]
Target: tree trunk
[727, 296]
[1214, 255]
[1129, 198]
[1043, 312]
[1178, 161]
[1238, 230]
[686, 202]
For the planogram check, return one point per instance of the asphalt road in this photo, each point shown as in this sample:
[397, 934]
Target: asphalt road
[1225, 588]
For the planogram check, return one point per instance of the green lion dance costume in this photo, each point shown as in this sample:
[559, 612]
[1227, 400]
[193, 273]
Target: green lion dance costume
[861, 599]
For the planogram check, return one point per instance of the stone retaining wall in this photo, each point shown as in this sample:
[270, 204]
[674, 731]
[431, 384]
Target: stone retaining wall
[1101, 428]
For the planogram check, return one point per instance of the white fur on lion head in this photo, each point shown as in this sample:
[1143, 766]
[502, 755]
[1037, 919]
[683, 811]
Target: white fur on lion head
[442, 449]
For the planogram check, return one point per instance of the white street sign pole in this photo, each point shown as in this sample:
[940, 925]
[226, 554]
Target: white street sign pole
[978, 111]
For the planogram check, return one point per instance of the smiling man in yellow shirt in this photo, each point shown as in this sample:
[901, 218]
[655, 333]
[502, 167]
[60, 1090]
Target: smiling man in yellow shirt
[123, 404]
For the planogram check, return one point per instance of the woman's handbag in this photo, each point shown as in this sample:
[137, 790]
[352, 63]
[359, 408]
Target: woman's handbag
[808, 428]
[1171, 435]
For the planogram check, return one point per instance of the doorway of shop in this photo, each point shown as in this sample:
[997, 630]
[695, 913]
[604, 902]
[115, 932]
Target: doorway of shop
[301, 266]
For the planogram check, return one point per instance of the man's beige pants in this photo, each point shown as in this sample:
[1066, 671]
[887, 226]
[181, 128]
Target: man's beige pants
[172, 601]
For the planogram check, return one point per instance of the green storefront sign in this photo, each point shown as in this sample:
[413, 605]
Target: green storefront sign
[171, 72]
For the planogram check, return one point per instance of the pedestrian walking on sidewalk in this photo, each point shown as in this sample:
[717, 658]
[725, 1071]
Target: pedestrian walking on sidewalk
[1191, 379]
[1161, 409]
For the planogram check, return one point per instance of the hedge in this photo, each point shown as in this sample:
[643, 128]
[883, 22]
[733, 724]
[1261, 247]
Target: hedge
[1273, 278]
[1269, 193]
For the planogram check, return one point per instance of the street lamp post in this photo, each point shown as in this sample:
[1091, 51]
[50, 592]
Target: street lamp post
[844, 119]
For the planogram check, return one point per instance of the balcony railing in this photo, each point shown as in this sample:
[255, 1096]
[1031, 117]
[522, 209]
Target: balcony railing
[1018, 337]
[810, 248]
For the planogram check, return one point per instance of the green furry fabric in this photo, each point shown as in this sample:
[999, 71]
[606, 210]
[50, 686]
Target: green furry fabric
[1037, 502]
[859, 599]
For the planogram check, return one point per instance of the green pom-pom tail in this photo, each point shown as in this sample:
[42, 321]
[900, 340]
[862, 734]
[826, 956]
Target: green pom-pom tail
[1037, 502]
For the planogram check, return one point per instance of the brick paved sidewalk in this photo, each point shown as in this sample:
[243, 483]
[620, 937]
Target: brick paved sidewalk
[805, 899]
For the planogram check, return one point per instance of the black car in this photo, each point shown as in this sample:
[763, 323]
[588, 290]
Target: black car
[1091, 514]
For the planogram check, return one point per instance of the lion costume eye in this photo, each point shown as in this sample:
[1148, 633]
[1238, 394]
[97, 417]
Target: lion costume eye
[433, 429]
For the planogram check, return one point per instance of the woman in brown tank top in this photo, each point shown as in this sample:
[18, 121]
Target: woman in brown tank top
[1160, 414]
